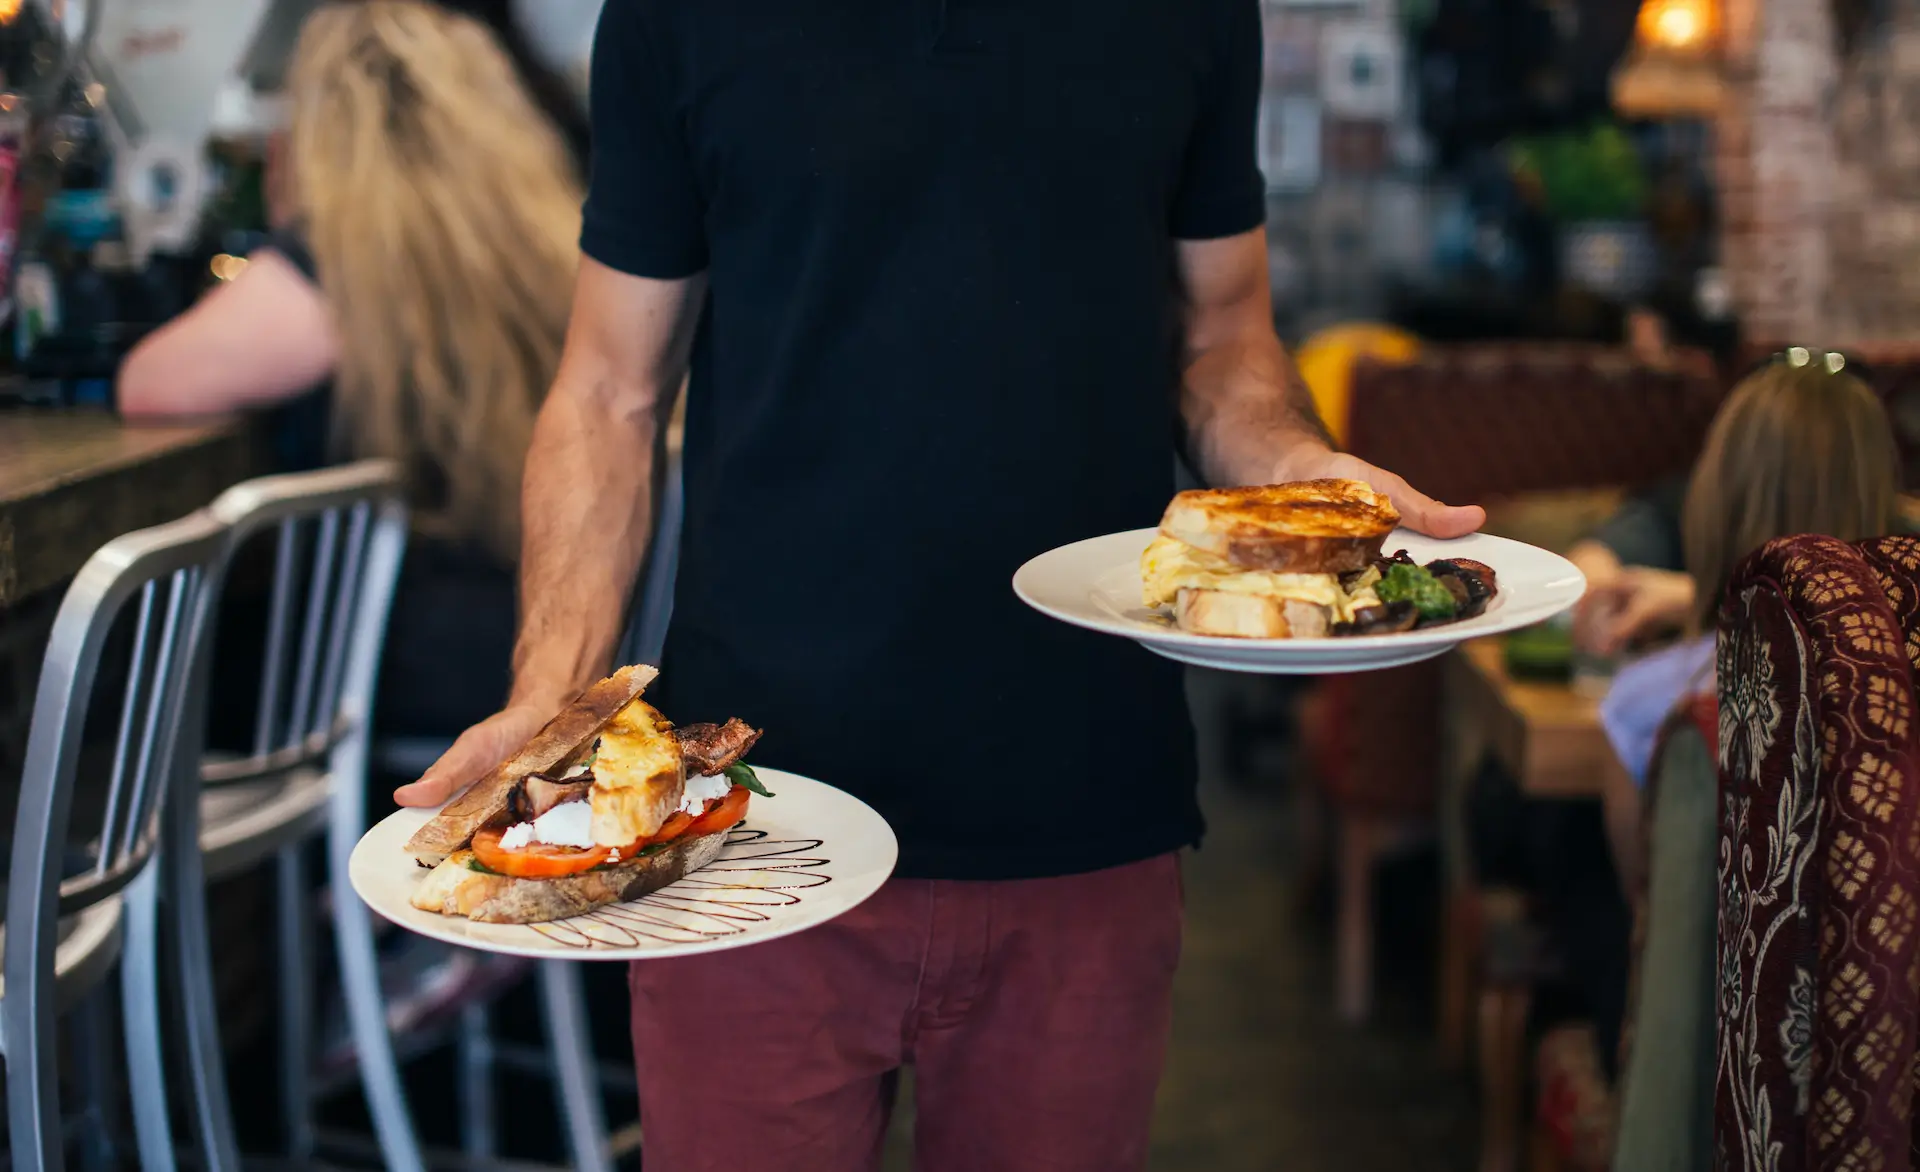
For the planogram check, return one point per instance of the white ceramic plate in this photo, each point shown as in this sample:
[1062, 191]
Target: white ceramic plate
[1096, 584]
[802, 857]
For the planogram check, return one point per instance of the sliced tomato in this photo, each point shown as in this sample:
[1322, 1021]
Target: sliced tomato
[723, 814]
[675, 826]
[536, 860]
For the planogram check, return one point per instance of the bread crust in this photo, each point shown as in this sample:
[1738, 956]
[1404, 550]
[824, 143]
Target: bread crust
[453, 888]
[1308, 527]
[562, 738]
[1249, 616]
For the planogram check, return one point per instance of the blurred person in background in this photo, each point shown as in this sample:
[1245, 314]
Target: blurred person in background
[1793, 450]
[1796, 449]
[411, 305]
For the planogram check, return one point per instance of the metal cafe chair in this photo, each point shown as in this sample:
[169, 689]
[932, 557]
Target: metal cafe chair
[65, 924]
[338, 535]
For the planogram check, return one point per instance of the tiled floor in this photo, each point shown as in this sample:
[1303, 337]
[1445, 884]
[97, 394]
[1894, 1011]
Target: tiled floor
[1261, 1077]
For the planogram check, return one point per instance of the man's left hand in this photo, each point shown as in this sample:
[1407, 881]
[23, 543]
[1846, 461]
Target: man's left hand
[1418, 511]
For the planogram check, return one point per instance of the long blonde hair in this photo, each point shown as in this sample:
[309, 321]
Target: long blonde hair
[1793, 450]
[443, 214]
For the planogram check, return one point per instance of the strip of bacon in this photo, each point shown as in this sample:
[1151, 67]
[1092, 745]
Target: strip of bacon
[710, 748]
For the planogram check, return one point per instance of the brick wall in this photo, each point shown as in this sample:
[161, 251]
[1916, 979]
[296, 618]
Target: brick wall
[1874, 234]
[1776, 165]
[1819, 175]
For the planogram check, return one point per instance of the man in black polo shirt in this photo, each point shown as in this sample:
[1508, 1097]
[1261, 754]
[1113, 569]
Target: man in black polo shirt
[950, 275]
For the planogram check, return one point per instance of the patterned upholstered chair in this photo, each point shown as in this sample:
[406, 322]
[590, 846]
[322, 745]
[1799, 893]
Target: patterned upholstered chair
[1819, 866]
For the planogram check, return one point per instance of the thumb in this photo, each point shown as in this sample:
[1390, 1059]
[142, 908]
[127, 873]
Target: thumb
[1420, 512]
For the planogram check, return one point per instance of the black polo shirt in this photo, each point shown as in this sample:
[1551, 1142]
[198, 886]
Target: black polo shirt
[940, 339]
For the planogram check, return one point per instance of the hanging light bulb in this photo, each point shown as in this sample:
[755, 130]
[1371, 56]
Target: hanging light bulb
[1673, 68]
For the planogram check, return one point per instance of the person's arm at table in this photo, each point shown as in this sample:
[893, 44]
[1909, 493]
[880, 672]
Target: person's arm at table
[1250, 416]
[262, 338]
[586, 507]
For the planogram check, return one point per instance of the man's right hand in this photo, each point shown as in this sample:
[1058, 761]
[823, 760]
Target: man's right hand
[477, 751]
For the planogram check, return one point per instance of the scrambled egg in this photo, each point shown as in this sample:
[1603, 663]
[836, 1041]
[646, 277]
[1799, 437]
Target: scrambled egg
[638, 776]
[1169, 566]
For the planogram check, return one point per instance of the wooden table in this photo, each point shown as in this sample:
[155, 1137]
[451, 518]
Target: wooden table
[70, 481]
[1546, 734]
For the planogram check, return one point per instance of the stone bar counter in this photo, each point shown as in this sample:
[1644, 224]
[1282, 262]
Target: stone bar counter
[70, 481]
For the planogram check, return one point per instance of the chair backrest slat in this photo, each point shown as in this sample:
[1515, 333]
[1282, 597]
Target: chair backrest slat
[326, 523]
[160, 705]
[340, 626]
[306, 678]
[277, 620]
[129, 706]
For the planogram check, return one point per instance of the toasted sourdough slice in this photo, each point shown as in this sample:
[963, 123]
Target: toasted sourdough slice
[454, 888]
[1308, 527]
[1250, 616]
[563, 738]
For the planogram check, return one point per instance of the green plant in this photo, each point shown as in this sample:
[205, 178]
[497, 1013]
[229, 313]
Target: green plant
[1589, 175]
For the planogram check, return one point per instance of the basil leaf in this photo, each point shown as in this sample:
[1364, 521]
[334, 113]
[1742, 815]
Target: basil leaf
[474, 864]
[743, 775]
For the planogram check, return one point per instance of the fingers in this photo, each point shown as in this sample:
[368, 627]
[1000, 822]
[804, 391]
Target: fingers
[1421, 513]
[478, 750]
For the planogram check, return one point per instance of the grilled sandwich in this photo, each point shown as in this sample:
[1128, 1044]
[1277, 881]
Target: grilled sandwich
[1267, 562]
[608, 802]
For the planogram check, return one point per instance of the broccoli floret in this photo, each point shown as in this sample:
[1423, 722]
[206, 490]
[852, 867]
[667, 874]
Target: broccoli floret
[1429, 596]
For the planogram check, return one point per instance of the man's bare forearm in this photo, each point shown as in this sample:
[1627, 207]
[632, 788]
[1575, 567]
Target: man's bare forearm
[587, 513]
[1249, 414]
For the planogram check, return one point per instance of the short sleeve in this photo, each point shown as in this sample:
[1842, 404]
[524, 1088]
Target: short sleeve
[644, 213]
[1221, 190]
[1645, 692]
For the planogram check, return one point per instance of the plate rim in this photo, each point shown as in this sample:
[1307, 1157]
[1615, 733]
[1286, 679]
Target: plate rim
[536, 950]
[1329, 651]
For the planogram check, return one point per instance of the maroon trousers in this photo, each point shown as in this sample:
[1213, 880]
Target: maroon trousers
[1034, 1013]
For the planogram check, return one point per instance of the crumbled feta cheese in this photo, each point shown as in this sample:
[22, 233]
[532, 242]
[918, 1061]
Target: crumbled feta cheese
[701, 790]
[568, 824]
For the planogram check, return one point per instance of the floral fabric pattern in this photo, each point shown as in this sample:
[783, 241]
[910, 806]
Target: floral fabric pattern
[1819, 991]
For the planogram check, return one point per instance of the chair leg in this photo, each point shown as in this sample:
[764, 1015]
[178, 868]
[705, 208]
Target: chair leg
[367, 1015]
[140, 1013]
[296, 1001]
[1359, 847]
[1542, 1156]
[563, 998]
[1503, 1029]
[206, 1067]
[478, 1138]
[92, 1066]
[186, 894]
[1459, 952]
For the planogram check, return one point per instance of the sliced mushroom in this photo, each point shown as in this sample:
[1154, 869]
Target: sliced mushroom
[1476, 578]
[1384, 618]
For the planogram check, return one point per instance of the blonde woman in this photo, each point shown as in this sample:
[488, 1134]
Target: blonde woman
[412, 306]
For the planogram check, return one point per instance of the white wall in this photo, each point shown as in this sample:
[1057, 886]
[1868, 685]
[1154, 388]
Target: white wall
[560, 30]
